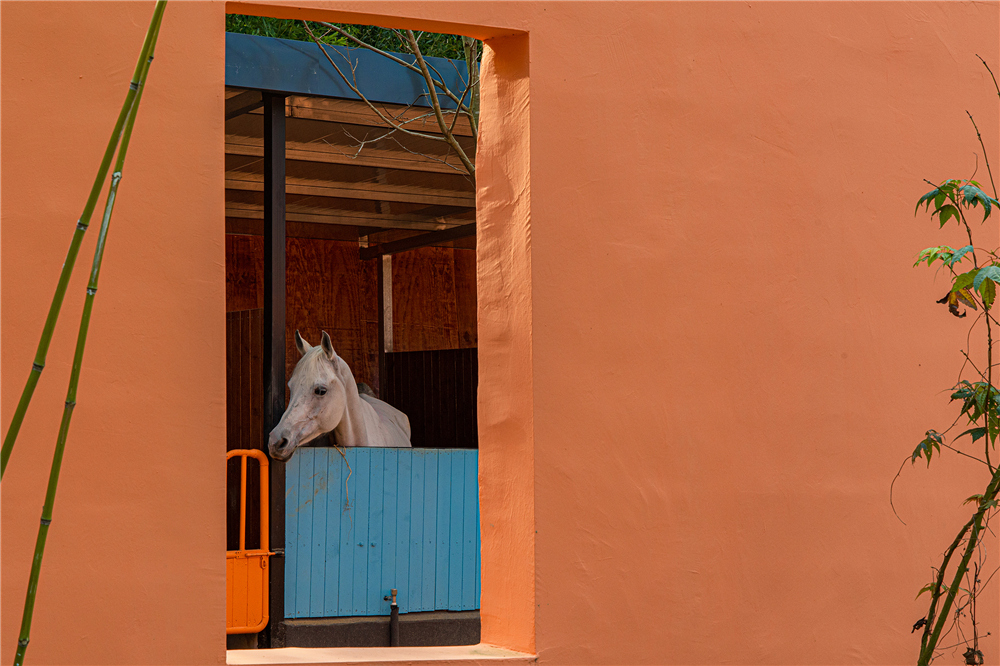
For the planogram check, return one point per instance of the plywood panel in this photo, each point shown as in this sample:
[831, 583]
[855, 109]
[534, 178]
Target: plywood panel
[330, 288]
[369, 321]
[244, 272]
[465, 297]
[324, 293]
[423, 300]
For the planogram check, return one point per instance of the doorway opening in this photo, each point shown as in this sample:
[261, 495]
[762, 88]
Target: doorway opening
[351, 210]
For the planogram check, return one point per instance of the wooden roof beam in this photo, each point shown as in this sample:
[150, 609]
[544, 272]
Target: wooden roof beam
[244, 103]
[240, 180]
[329, 153]
[413, 242]
[298, 213]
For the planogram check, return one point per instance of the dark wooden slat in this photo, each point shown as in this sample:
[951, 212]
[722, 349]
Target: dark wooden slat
[243, 103]
[257, 378]
[242, 226]
[246, 382]
[232, 401]
[252, 182]
[422, 240]
[437, 391]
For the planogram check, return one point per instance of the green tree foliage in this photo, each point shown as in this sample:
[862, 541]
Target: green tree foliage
[431, 43]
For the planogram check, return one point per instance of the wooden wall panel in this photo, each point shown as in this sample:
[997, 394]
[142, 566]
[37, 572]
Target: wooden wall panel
[324, 293]
[369, 319]
[437, 390]
[465, 297]
[424, 310]
[244, 424]
[330, 288]
[244, 272]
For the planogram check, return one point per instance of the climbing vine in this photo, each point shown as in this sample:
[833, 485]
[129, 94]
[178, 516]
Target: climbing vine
[974, 273]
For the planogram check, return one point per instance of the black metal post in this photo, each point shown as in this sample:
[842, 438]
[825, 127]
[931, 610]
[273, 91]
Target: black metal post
[274, 346]
[393, 620]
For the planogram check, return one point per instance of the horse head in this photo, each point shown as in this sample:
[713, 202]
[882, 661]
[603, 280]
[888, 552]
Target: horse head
[318, 399]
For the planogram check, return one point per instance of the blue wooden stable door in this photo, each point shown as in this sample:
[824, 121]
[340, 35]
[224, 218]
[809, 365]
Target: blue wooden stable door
[405, 519]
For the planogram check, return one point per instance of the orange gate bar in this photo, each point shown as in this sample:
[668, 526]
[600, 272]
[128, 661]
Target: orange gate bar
[246, 570]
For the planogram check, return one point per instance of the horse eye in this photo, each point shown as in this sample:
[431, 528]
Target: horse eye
[320, 390]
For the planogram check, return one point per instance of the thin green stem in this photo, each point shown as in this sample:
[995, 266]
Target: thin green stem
[936, 592]
[81, 227]
[930, 640]
[81, 342]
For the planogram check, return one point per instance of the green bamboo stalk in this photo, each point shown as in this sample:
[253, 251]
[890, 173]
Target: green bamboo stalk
[81, 342]
[74, 248]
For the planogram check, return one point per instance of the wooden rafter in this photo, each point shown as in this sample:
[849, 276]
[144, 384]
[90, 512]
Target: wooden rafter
[423, 240]
[349, 217]
[240, 180]
[325, 129]
[336, 154]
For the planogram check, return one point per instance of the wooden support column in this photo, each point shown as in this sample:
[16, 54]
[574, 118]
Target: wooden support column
[274, 347]
[384, 318]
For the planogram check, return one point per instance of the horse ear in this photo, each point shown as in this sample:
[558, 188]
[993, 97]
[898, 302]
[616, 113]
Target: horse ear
[327, 344]
[301, 344]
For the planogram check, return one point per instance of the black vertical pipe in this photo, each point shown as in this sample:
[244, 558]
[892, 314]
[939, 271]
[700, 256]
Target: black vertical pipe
[274, 346]
[393, 621]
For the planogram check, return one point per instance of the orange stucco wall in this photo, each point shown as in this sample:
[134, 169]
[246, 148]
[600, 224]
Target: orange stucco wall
[703, 351]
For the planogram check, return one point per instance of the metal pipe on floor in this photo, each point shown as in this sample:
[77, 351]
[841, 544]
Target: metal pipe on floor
[393, 621]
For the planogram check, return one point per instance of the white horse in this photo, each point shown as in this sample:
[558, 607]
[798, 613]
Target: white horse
[325, 398]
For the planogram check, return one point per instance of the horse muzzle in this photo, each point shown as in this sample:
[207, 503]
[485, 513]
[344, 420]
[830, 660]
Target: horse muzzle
[279, 447]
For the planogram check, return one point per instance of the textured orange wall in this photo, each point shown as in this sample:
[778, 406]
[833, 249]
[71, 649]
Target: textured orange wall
[703, 351]
[133, 571]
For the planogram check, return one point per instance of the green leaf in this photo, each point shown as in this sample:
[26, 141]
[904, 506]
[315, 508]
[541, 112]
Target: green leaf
[988, 291]
[991, 272]
[931, 254]
[964, 281]
[962, 390]
[973, 196]
[927, 198]
[976, 499]
[926, 588]
[977, 433]
[931, 440]
[957, 255]
[945, 213]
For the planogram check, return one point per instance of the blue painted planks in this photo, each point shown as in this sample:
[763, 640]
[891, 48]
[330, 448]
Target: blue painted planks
[470, 506]
[334, 512]
[442, 558]
[319, 532]
[407, 519]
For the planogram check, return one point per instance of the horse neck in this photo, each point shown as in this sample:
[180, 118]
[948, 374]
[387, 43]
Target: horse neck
[351, 431]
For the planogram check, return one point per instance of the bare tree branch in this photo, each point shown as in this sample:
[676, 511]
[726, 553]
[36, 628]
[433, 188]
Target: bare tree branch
[399, 61]
[353, 86]
[436, 105]
[394, 121]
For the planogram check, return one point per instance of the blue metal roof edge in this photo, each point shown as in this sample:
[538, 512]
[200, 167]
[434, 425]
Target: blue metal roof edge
[298, 68]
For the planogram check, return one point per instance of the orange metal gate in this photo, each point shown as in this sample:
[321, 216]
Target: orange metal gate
[246, 570]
